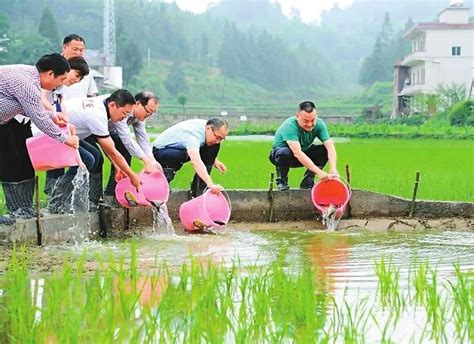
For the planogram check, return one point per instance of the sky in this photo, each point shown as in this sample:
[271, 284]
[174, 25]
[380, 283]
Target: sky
[310, 10]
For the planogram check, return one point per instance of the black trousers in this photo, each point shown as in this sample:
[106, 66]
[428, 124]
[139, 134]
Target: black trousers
[110, 188]
[174, 158]
[283, 158]
[15, 163]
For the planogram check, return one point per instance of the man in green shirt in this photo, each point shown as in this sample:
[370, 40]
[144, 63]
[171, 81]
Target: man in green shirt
[293, 147]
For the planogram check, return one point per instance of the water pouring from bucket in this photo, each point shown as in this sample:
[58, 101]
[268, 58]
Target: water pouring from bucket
[205, 212]
[330, 198]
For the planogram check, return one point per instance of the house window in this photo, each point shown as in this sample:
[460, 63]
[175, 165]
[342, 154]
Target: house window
[422, 76]
[456, 51]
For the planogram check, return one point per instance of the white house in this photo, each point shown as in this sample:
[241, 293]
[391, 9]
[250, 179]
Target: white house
[442, 53]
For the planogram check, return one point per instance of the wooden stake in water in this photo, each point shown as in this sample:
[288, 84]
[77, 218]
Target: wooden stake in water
[39, 230]
[270, 196]
[348, 178]
[413, 199]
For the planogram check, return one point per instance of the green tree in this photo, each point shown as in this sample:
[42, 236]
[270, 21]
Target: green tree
[175, 83]
[28, 47]
[130, 58]
[387, 50]
[49, 29]
[182, 98]
[4, 24]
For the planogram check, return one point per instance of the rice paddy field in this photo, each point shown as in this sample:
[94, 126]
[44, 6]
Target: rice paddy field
[382, 165]
[261, 286]
[244, 287]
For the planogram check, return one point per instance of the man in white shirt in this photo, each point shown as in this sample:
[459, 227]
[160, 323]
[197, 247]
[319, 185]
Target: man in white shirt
[74, 45]
[90, 116]
[195, 140]
[146, 104]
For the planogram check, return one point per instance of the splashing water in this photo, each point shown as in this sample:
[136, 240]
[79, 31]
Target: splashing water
[329, 218]
[81, 229]
[162, 223]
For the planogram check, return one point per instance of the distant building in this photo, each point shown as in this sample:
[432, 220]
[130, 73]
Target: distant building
[442, 53]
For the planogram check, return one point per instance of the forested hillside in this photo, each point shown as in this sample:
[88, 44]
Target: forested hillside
[236, 46]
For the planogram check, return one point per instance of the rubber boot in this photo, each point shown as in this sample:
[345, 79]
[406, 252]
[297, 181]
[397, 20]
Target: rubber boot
[19, 198]
[308, 180]
[60, 197]
[7, 221]
[281, 179]
[95, 191]
[111, 183]
[110, 188]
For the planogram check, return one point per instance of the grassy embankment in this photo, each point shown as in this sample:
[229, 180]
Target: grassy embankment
[383, 165]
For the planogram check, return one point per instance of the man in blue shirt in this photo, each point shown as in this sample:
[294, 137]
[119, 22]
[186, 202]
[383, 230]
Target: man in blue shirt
[195, 140]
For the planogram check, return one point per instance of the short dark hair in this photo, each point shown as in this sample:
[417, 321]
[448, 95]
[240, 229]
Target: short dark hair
[307, 106]
[145, 96]
[121, 97]
[216, 123]
[78, 63]
[73, 37]
[55, 62]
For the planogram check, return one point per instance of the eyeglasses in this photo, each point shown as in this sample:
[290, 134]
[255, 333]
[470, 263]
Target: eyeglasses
[307, 106]
[218, 137]
[148, 112]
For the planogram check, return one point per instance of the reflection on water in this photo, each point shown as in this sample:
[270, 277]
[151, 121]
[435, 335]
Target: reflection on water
[343, 262]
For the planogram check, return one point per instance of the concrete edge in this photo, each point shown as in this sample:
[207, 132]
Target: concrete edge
[367, 210]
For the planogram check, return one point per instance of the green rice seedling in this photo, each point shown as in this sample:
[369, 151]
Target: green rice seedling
[388, 287]
[355, 320]
[463, 304]
[435, 306]
[420, 282]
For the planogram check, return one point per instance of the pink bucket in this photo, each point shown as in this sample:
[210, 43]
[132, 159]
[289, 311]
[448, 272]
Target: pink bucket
[332, 191]
[154, 188]
[213, 210]
[48, 154]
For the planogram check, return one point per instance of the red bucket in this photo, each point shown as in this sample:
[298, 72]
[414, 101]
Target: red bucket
[332, 191]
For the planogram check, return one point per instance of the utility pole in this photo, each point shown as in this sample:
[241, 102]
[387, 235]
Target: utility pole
[109, 32]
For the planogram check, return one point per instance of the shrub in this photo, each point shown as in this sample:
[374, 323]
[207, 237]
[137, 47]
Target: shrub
[417, 119]
[462, 113]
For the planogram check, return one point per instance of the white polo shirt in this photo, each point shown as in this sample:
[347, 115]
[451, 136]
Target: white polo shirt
[82, 89]
[89, 116]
